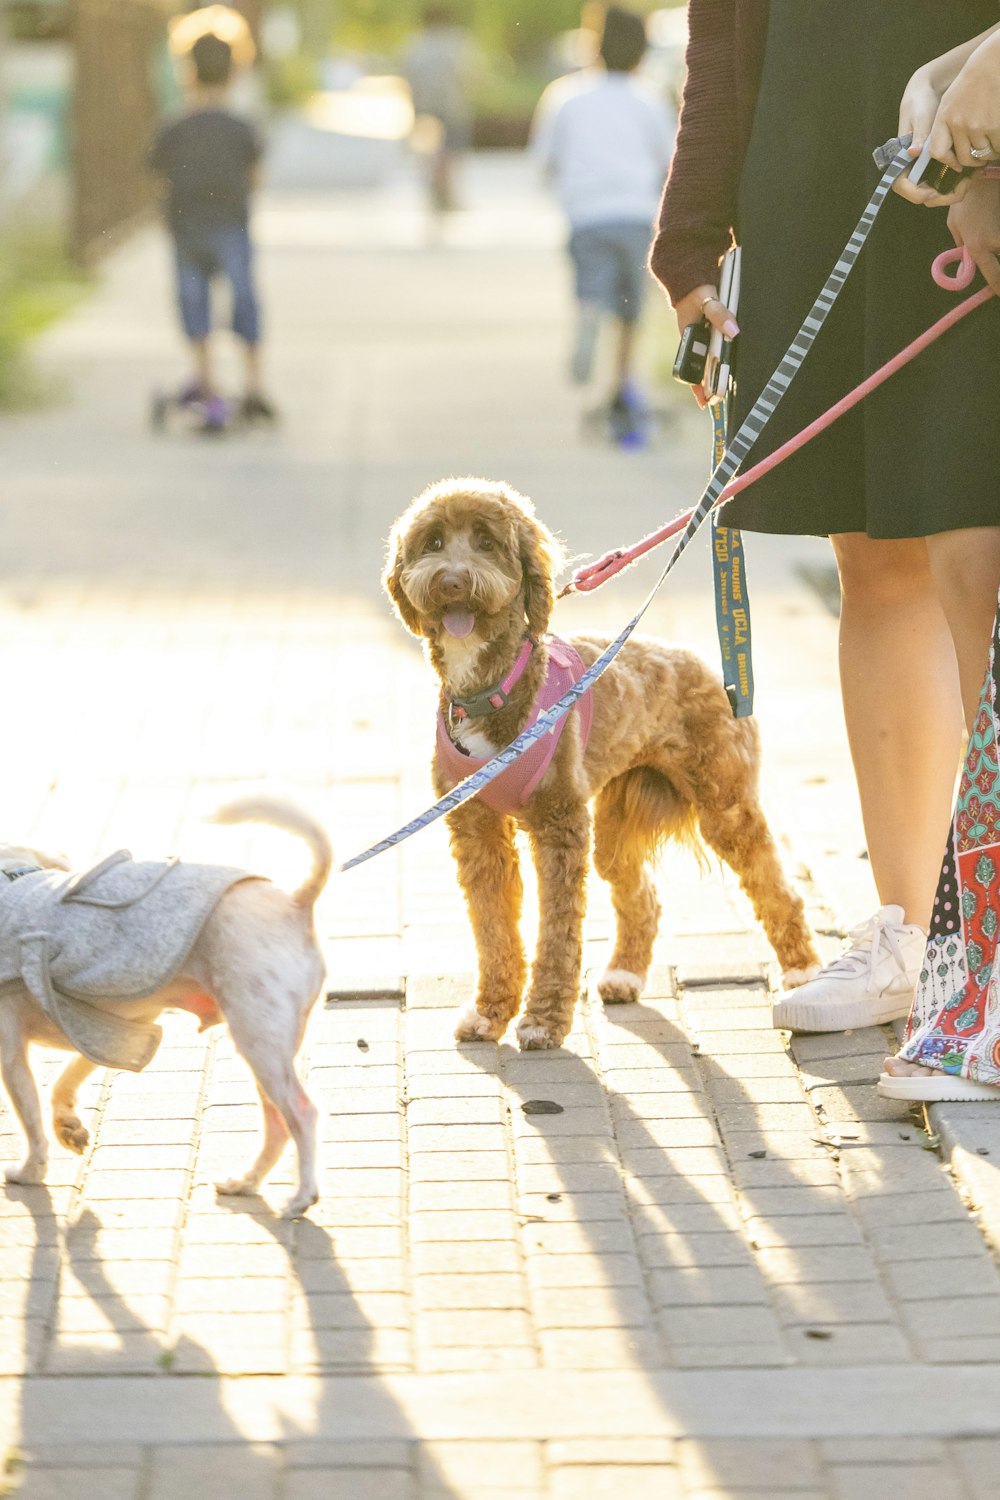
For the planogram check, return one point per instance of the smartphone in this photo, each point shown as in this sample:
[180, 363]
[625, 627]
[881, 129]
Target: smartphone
[718, 364]
[689, 366]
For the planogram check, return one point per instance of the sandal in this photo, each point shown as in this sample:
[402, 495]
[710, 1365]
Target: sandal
[934, 1088]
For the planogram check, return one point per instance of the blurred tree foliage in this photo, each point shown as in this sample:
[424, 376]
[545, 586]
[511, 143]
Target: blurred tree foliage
[518, 29]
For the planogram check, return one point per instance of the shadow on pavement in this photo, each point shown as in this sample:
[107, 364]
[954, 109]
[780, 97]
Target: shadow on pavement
[240, 1460]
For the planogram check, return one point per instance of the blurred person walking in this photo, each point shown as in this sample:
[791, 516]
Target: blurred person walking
[782, 107]
[438, 65]
[209, 159]
[606, 137]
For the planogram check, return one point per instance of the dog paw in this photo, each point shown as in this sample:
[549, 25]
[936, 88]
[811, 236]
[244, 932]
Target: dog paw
[534, 1037]
[791, 979]
[71, 1133]
[28, 1174]
[471, 1026]
[236, 1187]
[619, 987]
[300, 1204]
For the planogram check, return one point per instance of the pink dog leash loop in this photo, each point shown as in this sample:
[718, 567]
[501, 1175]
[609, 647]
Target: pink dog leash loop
[963, 277]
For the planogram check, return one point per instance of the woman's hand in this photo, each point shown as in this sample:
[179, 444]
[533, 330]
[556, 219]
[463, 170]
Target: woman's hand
[917, 112]
[975, 223]
[922, 114]
[968, 117]
[704, 302]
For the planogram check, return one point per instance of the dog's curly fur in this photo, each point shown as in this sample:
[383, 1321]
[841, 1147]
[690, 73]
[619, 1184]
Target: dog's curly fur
[665, 759]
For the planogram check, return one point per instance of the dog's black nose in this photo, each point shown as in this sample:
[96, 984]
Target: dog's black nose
[452, 585]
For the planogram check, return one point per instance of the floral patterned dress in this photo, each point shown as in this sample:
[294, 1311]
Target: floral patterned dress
[955, 1022]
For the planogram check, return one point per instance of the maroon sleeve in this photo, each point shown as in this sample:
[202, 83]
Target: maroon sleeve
[699, 202]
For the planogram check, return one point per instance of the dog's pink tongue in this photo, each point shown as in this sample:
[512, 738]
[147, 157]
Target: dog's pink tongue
[459, 622]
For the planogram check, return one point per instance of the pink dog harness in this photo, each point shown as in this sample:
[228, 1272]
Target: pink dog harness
[511, 789]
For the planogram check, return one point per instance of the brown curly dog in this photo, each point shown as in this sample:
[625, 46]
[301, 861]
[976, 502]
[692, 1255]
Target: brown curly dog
[470, 570]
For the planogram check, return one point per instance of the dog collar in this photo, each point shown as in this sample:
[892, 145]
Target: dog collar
[492, 699]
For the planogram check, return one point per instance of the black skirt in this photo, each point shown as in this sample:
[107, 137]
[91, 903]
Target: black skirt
[922, 454]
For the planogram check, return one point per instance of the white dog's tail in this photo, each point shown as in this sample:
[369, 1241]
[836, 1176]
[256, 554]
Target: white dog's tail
[277, 813]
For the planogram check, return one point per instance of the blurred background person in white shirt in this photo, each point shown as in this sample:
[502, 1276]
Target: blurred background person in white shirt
[605, 136]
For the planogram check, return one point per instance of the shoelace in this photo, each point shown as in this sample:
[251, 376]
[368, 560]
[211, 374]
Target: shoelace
[866, 946]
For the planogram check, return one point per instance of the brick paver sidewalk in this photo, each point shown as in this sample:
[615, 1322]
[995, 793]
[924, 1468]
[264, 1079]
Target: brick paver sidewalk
[716, 1265]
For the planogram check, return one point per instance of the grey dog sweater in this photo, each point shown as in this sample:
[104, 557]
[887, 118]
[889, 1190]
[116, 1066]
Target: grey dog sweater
[83, 943]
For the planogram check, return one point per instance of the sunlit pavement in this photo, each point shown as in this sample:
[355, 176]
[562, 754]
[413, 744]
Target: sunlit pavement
[725, 1268]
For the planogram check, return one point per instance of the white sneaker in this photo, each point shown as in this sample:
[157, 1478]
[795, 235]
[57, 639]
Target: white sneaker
[873, 981]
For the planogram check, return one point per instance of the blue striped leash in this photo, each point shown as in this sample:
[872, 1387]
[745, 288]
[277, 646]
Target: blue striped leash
[759, 416]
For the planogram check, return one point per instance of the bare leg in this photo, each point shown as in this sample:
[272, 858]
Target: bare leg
[251, 364]
[624, 354]
[443, 180]
[966, 569]
[901, 704]
[66, 1124]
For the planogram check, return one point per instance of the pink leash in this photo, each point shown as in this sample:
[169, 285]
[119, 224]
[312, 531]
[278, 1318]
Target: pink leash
[592, 575]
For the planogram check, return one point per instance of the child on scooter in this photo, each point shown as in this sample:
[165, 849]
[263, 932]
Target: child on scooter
[208, 158]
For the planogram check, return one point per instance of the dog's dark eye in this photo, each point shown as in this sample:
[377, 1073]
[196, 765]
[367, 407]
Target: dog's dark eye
[434, 542]
[484, 543]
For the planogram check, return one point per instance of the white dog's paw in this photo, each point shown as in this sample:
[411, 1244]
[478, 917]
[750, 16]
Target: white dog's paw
[29, 1174]
[534, 1037]
[71, 1133]
[791, 979]
[236, 1187]
[300, 1204]
[619, 987]
[470, 1026]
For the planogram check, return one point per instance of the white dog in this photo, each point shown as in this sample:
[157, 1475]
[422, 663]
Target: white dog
[88, 961]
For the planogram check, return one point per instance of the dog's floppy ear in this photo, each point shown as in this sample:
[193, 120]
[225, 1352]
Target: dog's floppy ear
[538, 552]
[392, 583]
